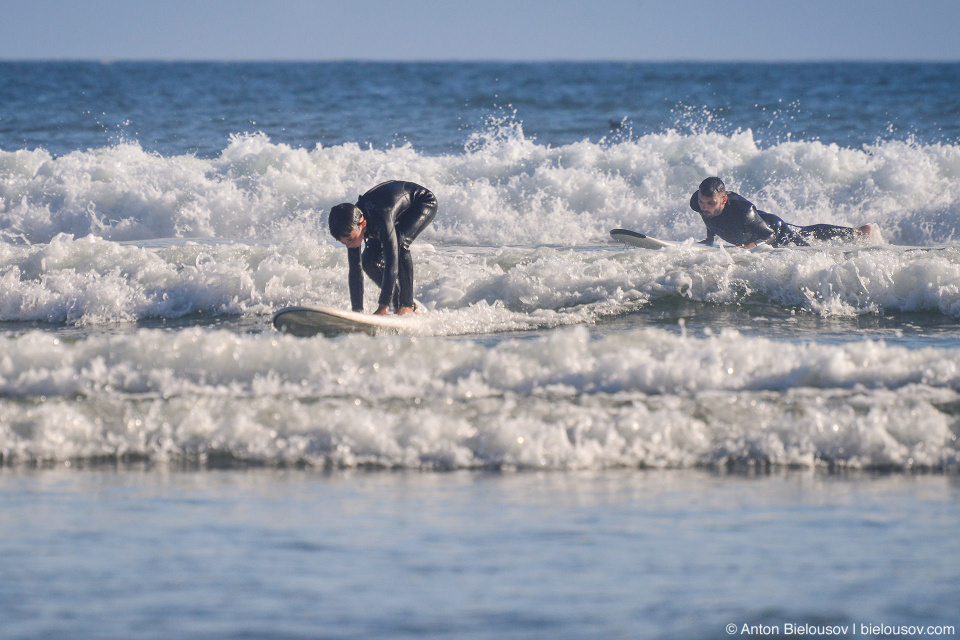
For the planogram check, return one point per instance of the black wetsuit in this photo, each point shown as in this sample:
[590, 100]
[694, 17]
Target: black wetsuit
[396, 212]
[742, 223]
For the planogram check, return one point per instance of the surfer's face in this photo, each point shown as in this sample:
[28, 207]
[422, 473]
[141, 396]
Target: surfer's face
[355, 239]
[712, 205]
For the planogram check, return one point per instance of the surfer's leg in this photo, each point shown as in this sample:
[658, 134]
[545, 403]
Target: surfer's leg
[824, 232]
[785, 236]
[374, 266]
[403, 297]
[409, 225]
[415, 219]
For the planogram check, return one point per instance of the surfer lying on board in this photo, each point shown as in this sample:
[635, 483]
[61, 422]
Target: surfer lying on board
[388, 218]
[736, 220]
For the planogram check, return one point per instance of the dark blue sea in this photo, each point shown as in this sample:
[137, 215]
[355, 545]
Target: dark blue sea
[580, 440]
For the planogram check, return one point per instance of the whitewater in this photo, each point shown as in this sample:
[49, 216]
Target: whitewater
[137, 291]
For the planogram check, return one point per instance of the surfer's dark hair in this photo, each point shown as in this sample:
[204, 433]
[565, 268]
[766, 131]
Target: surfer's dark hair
[344, 218]
[712, 187]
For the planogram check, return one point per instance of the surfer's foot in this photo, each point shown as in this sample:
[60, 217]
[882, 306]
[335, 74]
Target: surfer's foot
[402, 311]
[868, 233]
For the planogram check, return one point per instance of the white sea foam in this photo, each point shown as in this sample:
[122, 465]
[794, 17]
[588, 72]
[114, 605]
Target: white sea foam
[505, 189]
[566, 400]
[257, 216]
[90, 281]
[109, 236]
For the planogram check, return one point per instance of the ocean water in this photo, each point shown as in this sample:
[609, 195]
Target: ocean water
[581, 439]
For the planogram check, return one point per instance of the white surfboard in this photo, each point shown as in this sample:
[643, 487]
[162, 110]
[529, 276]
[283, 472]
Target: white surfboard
[636, 239]
[309, 321]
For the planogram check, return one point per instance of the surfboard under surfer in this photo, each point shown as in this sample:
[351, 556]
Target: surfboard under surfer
[387, 218]
[736, 220]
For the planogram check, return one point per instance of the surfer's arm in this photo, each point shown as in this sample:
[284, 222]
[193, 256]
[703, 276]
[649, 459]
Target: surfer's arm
[391, 269]
[711, 238]
[355, 279]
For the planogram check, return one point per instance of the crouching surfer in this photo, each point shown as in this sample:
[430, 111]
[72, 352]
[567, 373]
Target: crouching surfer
[737, 221]
[387, 219]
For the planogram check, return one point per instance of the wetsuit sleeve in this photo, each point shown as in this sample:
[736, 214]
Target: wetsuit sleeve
[355, 279]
